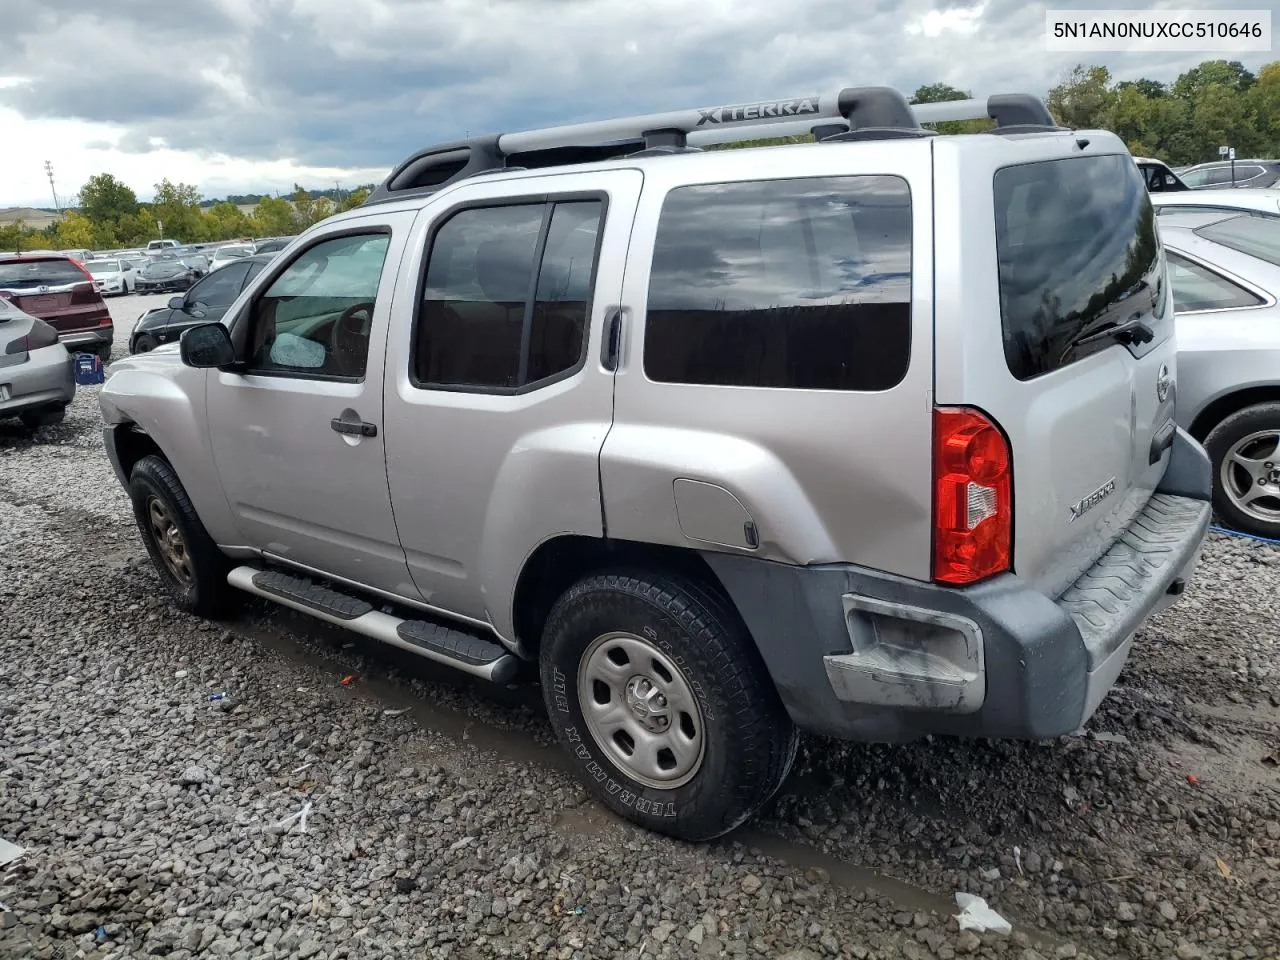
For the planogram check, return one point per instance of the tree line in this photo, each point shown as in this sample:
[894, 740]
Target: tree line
[1213, 104]
[110, 215]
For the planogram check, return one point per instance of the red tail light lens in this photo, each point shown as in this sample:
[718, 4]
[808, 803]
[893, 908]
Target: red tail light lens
[973, 497]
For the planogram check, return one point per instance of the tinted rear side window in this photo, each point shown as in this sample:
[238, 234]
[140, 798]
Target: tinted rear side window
[1077, 251]
[804, 284]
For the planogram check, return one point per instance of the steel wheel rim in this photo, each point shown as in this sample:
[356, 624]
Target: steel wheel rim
[1250, 475]
[169, 541]
[641, 710]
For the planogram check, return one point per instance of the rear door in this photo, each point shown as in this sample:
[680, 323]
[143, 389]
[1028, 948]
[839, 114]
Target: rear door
[1043, 256]
[54, 289]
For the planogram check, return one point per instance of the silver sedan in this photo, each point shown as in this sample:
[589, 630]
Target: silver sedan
[1224, 269]
[37, 374]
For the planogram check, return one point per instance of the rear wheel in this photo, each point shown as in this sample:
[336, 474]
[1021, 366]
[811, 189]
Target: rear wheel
[658, 693]
[189, 563]
[34, 419]
[103, 353]
[1245, 451]
[144, 343]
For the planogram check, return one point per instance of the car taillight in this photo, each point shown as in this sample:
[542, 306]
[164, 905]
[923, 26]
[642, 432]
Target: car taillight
[80, 266]
[973, 497]
[40, 335]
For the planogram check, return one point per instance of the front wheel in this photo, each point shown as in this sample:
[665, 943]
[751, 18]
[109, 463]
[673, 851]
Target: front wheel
[1245, 452]
[144, 344]
[658, 693]
[189, 563]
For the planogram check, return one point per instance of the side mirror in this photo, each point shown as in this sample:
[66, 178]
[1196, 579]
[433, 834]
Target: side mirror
[177, 303]
[208, 345]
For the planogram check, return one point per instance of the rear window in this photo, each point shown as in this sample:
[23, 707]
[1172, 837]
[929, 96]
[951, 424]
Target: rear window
[35, 273]
[1077, 252]
[1257, 236]
[802, 284]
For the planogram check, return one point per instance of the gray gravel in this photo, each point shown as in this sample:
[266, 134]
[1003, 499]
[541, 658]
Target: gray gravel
[440, 822]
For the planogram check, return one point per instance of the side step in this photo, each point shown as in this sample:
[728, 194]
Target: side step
[455, 648]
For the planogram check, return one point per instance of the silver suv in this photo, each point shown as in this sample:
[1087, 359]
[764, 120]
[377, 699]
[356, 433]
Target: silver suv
[870, 436]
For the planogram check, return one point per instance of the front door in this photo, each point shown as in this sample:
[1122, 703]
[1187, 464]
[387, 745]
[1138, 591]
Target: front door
[297, 436]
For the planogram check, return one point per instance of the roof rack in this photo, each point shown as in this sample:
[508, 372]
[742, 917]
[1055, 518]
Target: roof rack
[854, 113]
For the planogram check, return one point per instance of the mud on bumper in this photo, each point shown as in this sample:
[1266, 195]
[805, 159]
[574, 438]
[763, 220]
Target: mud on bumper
[864, 655]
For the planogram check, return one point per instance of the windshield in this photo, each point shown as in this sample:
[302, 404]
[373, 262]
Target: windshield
[102, 266]
[231, 253]
[35, 273]
[1257, 236]
[163, 268]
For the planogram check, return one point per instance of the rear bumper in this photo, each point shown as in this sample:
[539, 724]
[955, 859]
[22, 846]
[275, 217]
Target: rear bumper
[46, 379]
[97, 337]
[863, 655]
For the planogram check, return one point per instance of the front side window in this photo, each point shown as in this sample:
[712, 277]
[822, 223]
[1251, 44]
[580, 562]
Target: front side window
[1198, 288]
[1077, 251]
[220, 288]
[800, 284]
[508, 295]
[315, 319]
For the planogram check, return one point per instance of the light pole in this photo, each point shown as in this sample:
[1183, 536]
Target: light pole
[48, 170]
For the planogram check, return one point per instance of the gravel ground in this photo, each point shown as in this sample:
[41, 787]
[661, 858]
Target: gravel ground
[416, 813]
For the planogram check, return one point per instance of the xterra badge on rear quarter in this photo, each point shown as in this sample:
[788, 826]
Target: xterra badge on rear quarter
[1081, 507]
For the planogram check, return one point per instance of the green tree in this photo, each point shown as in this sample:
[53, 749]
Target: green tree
[354, 199]
[225, 221]
[1081, 100]
[137, 229]
[104, 199]
[309, 209]
[1151, 89]
[15, 237]
[73, 230]
[177, 208]
[273, 217]
[1226, 73]
[940, 93]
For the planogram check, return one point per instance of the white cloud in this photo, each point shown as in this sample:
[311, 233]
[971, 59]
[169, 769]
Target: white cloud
[961, 20]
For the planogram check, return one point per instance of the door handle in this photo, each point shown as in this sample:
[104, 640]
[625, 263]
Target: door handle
[355, 428]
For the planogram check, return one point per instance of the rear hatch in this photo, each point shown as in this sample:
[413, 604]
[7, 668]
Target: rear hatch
[54, 289]
[1064, 333]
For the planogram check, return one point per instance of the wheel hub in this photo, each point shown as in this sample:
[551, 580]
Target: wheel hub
[1250, 475]
[640, 709]
[169, 541]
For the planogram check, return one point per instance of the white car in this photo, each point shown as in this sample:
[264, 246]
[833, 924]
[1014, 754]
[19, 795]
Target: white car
[230, 253]
[1240, 200]
[112, 276]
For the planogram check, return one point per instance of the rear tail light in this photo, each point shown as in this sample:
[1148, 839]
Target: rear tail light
[80, 266]
[40, 335]
[973, 497]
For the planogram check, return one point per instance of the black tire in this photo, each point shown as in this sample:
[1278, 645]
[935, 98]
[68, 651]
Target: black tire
[144, 343]
[104, 353]
[201, 586]
[1260, 419]
[35, 419]
[748, 740]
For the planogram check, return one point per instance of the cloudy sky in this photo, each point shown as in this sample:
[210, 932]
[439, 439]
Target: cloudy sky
[250, 95]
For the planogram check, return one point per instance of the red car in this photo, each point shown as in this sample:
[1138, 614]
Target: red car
[60, 292]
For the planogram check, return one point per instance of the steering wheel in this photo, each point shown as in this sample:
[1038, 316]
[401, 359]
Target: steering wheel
[349, 336]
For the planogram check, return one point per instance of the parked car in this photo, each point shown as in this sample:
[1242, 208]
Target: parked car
[1242, 174]
[196, 261]
[112, 276]
[272, 244]
[230, 252]
[61, 292]
[206, 301]
[1224, 271]
[159, 246]
[160, 276]
[1158, 176]
[658, 424]
[1264, 203]
[37, 377]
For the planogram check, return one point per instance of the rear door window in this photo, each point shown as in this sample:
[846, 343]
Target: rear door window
[1077, 252]
[800, 284]
[1198, 288]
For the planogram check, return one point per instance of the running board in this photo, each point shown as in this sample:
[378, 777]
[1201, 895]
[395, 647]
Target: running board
[478, 656]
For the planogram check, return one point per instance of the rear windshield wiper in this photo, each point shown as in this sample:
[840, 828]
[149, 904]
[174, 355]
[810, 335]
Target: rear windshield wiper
[1130, 332]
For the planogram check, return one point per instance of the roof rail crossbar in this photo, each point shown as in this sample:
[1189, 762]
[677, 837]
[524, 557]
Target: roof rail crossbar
[850, 113]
